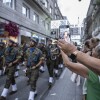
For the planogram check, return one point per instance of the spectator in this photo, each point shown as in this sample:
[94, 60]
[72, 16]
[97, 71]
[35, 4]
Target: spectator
[90, 62]
[88, 51]
[93, 82]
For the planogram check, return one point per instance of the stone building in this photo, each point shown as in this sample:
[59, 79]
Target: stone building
[33, 17]
[92, 21]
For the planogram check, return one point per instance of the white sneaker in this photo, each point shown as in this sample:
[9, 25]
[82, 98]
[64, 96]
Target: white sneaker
[16, 74]
[4, 92]
[42, 68]
[50, 79]
[31, 95]
[14, 87]
[25, 70]
[61, 66]
[18, 67]
[56, 71]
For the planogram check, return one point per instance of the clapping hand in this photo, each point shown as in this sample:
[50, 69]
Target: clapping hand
[66, 47]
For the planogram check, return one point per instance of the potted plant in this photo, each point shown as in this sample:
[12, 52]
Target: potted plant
[12, 29]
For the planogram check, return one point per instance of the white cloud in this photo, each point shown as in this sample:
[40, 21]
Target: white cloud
[74, 9]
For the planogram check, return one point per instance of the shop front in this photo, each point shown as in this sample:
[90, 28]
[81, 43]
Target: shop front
[41, 38]
[24, 36]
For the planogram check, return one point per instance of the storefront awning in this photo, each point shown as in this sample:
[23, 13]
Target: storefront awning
[25, 33]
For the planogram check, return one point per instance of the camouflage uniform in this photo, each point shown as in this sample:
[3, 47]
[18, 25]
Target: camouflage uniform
[52, 59]
[33, 56]
[22, 50]
[43, 49]
[11, 54]
[11, 58]
[16, 46]
[2, 61]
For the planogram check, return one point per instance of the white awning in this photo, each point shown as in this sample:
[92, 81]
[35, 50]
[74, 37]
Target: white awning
[25, 33]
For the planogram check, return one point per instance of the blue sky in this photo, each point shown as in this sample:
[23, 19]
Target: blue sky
[74, 9]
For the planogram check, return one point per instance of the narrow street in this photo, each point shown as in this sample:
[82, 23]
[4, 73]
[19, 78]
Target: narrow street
[50, 34]
[63, 88]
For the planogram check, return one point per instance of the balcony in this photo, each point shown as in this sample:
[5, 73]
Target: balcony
[42, 7]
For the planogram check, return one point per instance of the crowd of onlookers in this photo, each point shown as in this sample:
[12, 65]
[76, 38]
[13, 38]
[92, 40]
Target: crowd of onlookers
[86, 63]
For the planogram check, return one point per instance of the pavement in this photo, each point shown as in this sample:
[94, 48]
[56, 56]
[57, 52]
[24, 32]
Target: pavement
[62, 89]
[65, 89]
[23, 88]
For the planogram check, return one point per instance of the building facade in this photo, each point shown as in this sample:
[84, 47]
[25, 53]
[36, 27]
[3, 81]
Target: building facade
[92, 21]
[33, 17]
[75, 33]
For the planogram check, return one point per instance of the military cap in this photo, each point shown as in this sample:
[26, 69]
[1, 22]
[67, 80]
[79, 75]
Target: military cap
[1, 44]
[16, 43]
[11, 41]
[50, 39]
[34, 40]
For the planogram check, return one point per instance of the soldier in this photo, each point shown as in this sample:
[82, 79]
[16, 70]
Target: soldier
[52, 53]
[43, 49]
[60, 62]
[34, 59]
[11, 59]
[17, 65]
[2, 50]
[56, 54]
[23, 49]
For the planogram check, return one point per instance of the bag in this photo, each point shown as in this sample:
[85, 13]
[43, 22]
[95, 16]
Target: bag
[73, 77]
[76, 78]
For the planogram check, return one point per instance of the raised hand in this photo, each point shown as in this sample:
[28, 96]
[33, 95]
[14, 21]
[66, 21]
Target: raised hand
[66, 47]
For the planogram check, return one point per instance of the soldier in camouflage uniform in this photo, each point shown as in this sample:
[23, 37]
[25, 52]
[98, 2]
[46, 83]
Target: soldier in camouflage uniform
[2, 50]
[56, 54]
[11, 59]
[34, 60]
[43, 49]
[16, 46]
[52, 60]
[23, 49]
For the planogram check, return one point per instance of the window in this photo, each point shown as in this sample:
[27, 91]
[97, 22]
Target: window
[36, 18]
[42, 22]
[55, 16]
[55, 5]
[50, 10]
[46, 3]
[47, 26]
[26, 11]
[9, 3]
[58, 17]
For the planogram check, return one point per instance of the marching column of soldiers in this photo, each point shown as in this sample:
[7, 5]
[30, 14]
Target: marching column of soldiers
[34, 57]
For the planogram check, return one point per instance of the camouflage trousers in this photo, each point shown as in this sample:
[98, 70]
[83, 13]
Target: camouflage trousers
[10, 76]
[33, 75]
[51, 65]
[1, 63]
